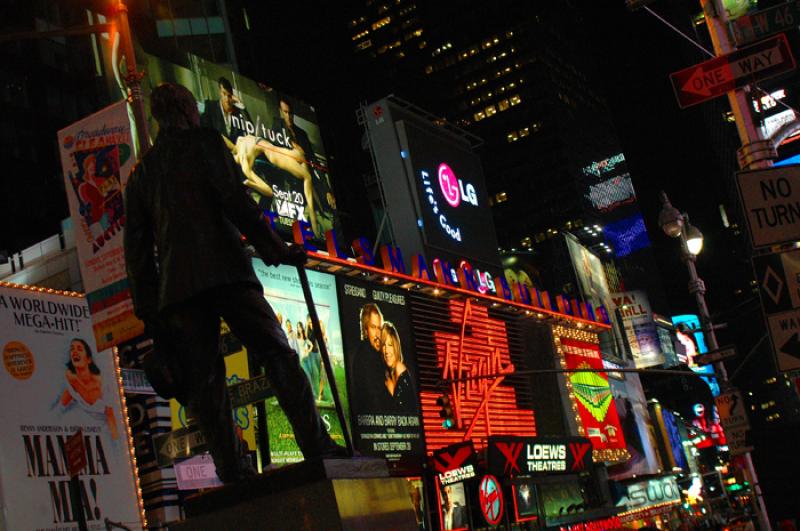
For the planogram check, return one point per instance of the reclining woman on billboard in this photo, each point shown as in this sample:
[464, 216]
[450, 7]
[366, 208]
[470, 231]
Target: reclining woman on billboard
[294, 161]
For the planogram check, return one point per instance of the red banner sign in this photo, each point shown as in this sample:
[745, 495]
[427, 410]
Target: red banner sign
[593, 395]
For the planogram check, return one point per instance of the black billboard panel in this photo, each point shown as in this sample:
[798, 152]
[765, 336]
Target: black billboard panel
[381, 368]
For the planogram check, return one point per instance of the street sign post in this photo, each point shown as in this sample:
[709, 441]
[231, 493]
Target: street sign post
[778, 277]
[771, 202]
[750, 28]
[724, 73]
[733, 417]
[714, 356]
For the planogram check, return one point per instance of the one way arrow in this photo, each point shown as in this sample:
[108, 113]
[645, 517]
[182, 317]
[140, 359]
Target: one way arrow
[792, 347]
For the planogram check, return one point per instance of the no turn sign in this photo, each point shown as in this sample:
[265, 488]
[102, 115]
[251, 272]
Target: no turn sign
[771, 203]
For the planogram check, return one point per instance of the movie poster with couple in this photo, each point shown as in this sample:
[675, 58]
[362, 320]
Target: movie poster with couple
[382, 377]
[283, 291]
[275, 139]
[53, 383]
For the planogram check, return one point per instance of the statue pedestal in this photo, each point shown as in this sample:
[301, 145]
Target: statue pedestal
[333, 494]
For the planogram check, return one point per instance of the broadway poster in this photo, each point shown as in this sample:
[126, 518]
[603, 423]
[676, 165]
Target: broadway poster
[283, 291]
[594, 398]
[382, 375]
[54, 382]
[96, 158]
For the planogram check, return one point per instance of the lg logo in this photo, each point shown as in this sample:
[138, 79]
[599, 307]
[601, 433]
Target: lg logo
[454, 189]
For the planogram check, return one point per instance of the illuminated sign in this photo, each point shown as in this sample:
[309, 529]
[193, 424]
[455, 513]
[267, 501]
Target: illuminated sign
[458, 276]
[776, 121]
[490, 496]
[595, 525]
[526, 456]
[612, 193]
[593, 397]
[455, 463]
[643, 494]
[602, 167]
[482, 406]
[454, 192]
[633, 307]
[452, 201]
[768, 101]
[627, 235]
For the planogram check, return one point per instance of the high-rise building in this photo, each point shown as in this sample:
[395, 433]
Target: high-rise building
[518, 75]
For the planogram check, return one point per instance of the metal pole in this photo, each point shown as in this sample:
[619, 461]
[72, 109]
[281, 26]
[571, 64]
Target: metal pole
[323, 350]
[698, 288]
[133, 78]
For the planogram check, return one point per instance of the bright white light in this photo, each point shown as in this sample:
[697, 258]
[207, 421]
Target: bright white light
[695, 245]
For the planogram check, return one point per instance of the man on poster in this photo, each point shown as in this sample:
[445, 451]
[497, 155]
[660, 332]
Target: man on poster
[366, 370]
[187, 267]
[224, 115]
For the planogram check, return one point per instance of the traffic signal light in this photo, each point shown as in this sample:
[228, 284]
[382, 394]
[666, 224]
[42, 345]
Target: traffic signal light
[446, 411]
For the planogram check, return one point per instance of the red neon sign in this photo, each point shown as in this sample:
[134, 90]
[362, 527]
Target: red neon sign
[483, 407]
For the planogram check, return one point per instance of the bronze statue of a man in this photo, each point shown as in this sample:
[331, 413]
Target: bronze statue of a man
[186, 210]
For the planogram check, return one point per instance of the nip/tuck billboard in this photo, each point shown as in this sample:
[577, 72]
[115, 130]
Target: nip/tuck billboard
[274, 138]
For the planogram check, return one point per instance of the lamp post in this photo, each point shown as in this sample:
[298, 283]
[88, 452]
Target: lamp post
[675, 224]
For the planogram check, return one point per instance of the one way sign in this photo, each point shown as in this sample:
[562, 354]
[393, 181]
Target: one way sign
[717, 76]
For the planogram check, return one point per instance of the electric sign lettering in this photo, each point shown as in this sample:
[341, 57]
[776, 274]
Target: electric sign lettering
[454, 191]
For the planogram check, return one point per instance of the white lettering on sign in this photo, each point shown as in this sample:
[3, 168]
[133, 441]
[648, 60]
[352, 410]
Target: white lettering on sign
[457, 474]
[771, 200]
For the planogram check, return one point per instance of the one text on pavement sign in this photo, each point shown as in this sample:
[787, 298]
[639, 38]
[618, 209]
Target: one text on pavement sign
[717, 76]
[749, 28]
[714, 356]
[771, 203]
[197, 472]
[183, 442]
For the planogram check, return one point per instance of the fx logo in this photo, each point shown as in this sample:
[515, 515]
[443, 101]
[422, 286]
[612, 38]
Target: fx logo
[578, 451]
[511, 452]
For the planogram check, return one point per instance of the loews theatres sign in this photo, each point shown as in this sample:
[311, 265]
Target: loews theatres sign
[528, 456]
[455, 463]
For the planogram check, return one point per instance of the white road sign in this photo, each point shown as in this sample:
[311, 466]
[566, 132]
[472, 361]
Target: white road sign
[784, 329]
[771, 203]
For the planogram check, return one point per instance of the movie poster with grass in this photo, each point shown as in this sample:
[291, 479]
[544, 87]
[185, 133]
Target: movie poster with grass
[594, 398]
[283, 291]
[236, 371]
[382, 375]
[54, 382]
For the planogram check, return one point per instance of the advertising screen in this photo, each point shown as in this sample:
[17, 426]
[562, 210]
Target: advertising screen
[382, 378]
[283, 291]
[96, 158]
[594, 288]
[53, 383]
[633, 308]
[274, 138]
[453, 508]
[593, 396]
[637, 427]
[627, 235]
[451, 195]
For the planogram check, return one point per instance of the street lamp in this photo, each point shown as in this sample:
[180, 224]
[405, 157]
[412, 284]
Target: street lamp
[676, 225]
